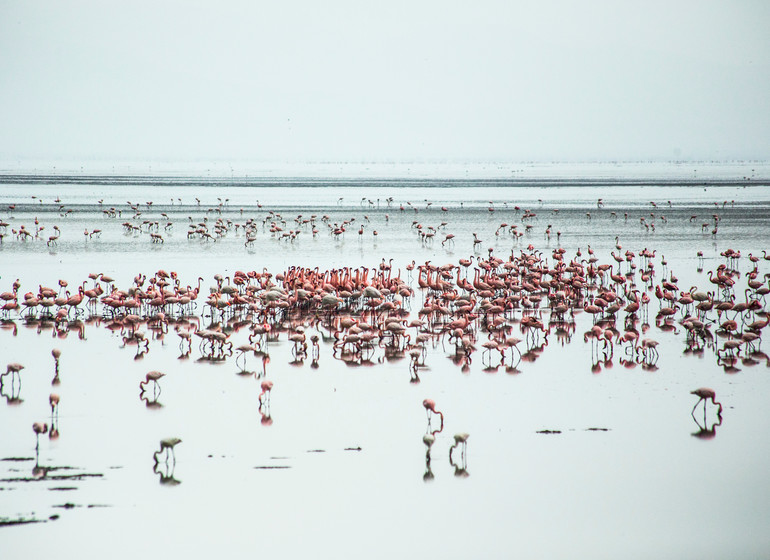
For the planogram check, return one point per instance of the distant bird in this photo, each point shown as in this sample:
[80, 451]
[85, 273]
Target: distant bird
[462, 440]
[461, 469]
[13, 368]
[242, 350]
[53, 399]
[316, 351]
[167, 445]
[266, 387]
[39, 428]
[430, 407]
[56, 353]
[705, 394]
[153, 377]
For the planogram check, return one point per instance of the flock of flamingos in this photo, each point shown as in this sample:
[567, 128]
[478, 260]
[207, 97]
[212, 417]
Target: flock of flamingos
[504, 310]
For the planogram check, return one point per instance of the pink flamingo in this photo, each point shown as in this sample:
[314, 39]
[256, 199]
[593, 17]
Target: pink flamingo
[705, 394]
[39, 428]
[267, 387]
[53, 399]
[430, 406]
[167, 445]
[153, 377]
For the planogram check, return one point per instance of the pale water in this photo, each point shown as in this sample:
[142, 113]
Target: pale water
[340, 468]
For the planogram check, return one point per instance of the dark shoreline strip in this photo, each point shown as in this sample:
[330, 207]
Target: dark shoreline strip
[11, 522]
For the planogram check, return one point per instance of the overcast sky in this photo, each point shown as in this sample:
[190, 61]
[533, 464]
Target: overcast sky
[353, 81]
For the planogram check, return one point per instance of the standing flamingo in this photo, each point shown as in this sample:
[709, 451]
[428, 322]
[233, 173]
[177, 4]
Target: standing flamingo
[39, 428]
[14, 369]
[264, 402]
[267, 387]
[461, 439]
[153, 377]
[56, 353]
[316, 351]
[167, 445]
[430, 406]
[705, 394]
[242, 350]
[53, 400]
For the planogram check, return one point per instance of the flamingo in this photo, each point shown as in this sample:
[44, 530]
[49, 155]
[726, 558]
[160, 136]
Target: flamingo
[267, 387]
[13, 367]
[430, 406]
[704, 394]
[39, 428]
[461, 439]
[167, 445]
[53, 399]
[56, 353]
[153, 377]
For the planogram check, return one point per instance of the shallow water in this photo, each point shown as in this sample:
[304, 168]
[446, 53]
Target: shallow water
[341, 469]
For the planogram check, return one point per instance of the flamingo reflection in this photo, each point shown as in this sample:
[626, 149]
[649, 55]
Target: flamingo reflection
[428, 440]
[461, 468]
[704, 430]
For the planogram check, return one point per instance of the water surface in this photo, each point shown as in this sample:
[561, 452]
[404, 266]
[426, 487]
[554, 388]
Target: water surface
[559, 458]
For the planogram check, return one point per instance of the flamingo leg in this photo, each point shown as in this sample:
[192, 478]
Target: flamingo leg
[451, 462]
[696, 405]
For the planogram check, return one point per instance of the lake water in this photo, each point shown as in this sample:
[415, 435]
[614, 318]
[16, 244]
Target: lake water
[568, 455]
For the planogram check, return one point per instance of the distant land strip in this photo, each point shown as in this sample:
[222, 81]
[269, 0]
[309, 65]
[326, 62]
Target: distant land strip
[221, 181]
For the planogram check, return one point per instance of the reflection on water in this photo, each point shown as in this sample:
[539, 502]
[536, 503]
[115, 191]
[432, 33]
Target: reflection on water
[428, 439]
[706, 430]
[49, 476]
[461, 465]
[151, 400]
[165, 472]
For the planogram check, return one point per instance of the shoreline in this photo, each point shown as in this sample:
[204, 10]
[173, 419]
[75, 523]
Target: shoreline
[354, 182]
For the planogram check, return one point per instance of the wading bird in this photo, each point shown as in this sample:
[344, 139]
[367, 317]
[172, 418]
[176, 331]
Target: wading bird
[705, 394]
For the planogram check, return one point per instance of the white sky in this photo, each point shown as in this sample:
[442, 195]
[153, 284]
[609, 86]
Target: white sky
[364, 81]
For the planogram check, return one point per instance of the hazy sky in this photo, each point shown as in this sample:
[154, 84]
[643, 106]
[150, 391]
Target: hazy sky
[352, 81]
